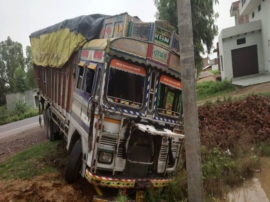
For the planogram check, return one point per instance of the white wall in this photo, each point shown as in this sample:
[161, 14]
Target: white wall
[265, 8]
[228, 42]
[264, 16]
[28, 98]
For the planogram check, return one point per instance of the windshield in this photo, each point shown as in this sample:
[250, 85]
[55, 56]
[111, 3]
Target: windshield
[169, 101]
[126, 83]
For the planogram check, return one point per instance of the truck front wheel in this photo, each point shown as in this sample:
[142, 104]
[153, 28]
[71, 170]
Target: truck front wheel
[74, 163]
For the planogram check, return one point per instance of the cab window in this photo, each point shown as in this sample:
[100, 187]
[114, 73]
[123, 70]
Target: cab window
[85, 79]
[88, 80]
[169, 100]
[80, 76]
[126, 83]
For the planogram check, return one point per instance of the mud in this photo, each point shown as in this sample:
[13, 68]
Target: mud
[48, 187]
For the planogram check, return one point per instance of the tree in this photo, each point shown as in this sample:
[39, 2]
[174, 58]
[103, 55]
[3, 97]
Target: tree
[19, 80]
[28, 59]
[3, 80]
[203, 17]
[11, 57]
[30, 81]
[191, 124]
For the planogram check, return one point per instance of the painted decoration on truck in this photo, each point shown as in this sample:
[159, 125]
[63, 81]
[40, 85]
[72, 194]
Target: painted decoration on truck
[132, 47]
[175, 42]
[115, 26]
[85, 54]
[147, 51]
[158, 54]
[92, 55]
[174, 62]
[122, 182]
[170, 81]
[162, 36]
[125, 66]
[108, 32]
[118, 29]
[141, 31]
[96, 44]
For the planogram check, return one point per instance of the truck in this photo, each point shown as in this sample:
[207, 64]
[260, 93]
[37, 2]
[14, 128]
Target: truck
[111, 87]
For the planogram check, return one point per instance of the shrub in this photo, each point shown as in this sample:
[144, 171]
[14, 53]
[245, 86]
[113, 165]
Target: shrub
[20, 108]
[263, 149]
[20, 112]
[221, 169]
[177, 189]
[210, 88]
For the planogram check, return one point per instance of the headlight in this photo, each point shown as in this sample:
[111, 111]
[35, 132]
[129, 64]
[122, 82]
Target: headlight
[105, 157]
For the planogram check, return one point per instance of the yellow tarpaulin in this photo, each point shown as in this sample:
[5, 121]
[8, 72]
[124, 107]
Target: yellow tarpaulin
[54, 45]
[54, 49]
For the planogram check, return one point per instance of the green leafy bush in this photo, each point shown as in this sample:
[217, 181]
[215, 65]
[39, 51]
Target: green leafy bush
[210, 88]
[263, 149]
[20, 107]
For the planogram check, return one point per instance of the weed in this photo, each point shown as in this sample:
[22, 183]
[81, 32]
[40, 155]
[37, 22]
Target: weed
[121, 197]
[263, 149]
[210, 88]
[20, 112]
[215, 72]
[177, 189]
[29, 163]
[20, 108]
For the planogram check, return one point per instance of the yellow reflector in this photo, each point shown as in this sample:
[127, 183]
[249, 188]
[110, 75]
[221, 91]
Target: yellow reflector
[81, 64]
[92, 66]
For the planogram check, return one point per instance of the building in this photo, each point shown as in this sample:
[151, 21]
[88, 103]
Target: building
[244, 50]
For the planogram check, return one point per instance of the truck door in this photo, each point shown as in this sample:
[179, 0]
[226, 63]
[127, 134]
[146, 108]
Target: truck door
[84, 92]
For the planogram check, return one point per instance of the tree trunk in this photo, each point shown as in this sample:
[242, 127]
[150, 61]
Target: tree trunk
[191, 129]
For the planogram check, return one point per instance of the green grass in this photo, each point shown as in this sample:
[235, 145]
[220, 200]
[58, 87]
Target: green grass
[31, 162]
[263, 149]
[212, 88]
[215, 72]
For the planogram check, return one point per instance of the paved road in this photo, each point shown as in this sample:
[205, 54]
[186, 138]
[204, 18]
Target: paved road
[18, 126]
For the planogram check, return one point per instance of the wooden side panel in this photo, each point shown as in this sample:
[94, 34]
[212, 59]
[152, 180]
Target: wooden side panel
[56, 84]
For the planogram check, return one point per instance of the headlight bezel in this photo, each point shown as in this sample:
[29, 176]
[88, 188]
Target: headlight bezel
[105, 156]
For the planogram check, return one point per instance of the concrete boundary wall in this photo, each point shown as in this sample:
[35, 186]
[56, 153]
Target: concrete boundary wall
[27, 97]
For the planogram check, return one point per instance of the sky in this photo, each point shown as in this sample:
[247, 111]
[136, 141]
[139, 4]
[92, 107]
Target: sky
[19, 18]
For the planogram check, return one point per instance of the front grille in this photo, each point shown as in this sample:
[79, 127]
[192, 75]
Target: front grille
[163, 152]
[109, 141]
[140, 152]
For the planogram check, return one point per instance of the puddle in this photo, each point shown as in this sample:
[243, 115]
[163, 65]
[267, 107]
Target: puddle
[264, 175]
[256, 189]
[251, 191]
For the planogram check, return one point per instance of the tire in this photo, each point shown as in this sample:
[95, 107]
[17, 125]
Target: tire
[74, 163]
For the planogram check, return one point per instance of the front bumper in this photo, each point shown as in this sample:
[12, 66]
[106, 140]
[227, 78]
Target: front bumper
[124, 182]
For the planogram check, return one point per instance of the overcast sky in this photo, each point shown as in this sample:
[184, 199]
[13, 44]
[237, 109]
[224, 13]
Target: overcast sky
[19, 18]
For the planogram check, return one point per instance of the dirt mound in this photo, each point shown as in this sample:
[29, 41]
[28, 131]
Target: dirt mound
[231, 124]
[48, 187]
